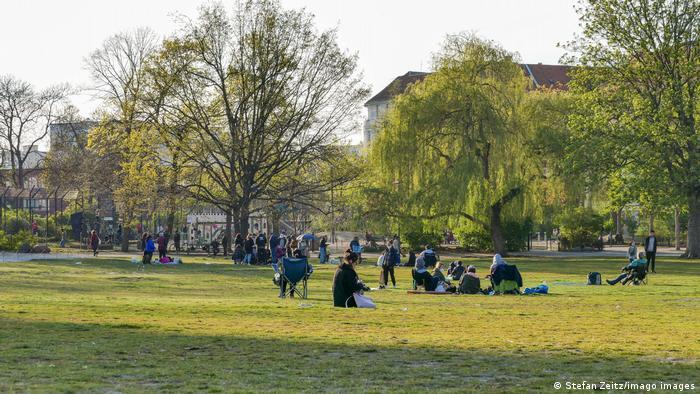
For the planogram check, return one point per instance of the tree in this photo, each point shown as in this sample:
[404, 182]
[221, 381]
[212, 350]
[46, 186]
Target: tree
[25, 116]
[263, 94]
[637, 94]
[124, 143]
[454, 145]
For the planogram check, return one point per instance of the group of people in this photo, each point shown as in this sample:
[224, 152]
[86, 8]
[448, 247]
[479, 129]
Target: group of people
[257, 248]
[149, 245]
[650, 244]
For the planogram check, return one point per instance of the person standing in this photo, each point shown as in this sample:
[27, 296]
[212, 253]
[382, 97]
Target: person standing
[148, 249]
[632, 252]
[274, 241]
[162, 246]
[94, 242]
[225, 242]
[260, 243]
[650, 244]
[248, 248]
[391, 260]
[63, 237]
[323, 251]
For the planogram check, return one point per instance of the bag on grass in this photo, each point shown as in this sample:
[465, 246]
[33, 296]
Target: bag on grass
[363, 301]
[594, 278]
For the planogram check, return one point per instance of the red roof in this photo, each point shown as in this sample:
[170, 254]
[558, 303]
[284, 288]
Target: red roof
[542, 75]
[548, 75]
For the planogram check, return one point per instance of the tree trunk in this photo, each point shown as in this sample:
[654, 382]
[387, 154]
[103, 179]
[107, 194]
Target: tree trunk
[497, 239]
[677, 228]
[227, 233]
[693, 245]
[651, 221]
[618, 221]
[243, 216]
[125, 238]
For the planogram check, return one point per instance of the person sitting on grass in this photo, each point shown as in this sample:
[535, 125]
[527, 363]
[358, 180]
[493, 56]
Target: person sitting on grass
[148, 249]
[628, 271]
[439, 277]
[470, 282]
[457, 271]
[421, 276]
[346, 282]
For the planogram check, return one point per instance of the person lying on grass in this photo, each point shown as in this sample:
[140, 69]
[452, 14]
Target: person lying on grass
[346, 282]
[628, 270]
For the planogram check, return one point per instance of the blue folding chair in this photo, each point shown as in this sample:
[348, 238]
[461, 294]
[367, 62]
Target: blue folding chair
[295, 271]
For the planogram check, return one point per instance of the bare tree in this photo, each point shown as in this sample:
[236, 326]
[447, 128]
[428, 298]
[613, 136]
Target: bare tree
[118, 71]
[264, 94]
[25, 116]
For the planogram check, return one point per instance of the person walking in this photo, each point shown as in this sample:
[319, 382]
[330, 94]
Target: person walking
[94, 242]
[650, 244]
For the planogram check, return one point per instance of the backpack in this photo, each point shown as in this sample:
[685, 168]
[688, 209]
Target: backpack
[594, 278]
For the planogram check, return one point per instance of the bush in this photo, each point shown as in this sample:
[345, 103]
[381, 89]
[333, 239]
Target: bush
[475, 240]
[580, 228]
[516, 234]
[22, 241]
[416, 240]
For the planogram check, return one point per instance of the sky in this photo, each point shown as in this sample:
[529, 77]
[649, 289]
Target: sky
[45, 41]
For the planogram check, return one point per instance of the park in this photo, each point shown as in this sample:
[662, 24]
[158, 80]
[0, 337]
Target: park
[303, 196]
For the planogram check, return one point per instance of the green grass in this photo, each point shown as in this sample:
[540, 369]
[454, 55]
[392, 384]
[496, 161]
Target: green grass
[101, 326]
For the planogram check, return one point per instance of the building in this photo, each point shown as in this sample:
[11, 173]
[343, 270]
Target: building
[541, 76]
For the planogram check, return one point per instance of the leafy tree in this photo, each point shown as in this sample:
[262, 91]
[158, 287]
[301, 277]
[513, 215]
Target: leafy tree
[637, 96]
[454, 146]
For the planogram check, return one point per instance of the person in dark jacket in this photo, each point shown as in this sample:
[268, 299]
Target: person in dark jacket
[176, 241]
[248, 249]
[323, 250]
[260, 243]
[391, 260]
[650, 244]
[346, 282]
[457, 271]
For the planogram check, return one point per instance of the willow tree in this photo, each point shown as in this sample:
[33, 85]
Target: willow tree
[639, 95]
[455, 144]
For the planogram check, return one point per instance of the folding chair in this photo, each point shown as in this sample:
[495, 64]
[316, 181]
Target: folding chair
[295, 271]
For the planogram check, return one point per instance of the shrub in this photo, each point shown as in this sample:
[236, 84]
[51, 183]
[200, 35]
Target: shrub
[416, 240]
[475, 240]
[580, 227]
[516, 234]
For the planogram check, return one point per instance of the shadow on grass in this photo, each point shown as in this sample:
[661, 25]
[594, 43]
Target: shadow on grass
[89, 357]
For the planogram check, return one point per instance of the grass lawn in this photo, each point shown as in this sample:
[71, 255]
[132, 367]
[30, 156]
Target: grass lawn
[101, 326]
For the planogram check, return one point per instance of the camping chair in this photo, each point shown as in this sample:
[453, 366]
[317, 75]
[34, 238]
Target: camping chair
[638, 276]
[294, 272]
